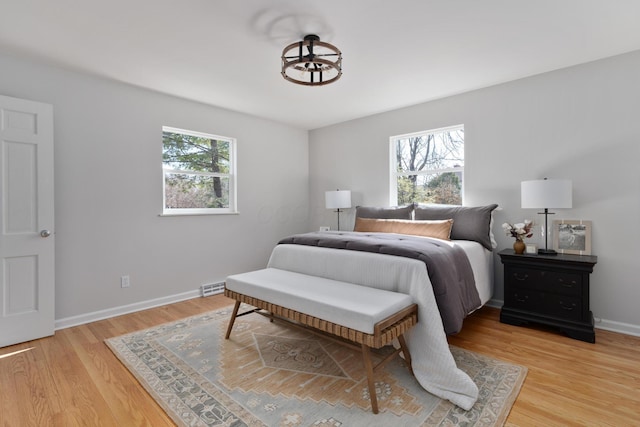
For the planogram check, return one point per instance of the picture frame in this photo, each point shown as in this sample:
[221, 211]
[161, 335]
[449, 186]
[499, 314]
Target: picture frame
[572, 236]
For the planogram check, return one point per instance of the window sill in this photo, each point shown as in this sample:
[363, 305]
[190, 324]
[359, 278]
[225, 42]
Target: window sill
[197, 213]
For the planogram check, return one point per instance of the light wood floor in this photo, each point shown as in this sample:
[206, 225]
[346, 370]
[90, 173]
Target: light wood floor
[73, 379]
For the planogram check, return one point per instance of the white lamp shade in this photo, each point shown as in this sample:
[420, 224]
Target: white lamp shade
[337, 199]
[546, 193]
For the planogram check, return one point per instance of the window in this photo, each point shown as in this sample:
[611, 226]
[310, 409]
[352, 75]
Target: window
[199, 173]
[428, 167]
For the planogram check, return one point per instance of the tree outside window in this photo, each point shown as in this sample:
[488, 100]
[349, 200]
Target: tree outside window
[199, 174]
[428, 167]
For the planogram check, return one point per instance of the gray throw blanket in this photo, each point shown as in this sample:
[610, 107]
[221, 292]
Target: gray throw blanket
[448, 266]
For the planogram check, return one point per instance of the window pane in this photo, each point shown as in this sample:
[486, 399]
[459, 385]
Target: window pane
[442, 188]
[195, 153]
[428, 167]
[430, 151]
[186, 191]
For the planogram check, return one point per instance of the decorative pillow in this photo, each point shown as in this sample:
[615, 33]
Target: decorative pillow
[469, 223]
[394, 212]
[440, 229]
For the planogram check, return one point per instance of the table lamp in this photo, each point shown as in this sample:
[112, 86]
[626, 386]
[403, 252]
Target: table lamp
[338, 200]
[546, 194]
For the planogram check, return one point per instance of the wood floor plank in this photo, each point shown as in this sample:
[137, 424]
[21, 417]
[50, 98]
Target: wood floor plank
[80, 399]
[73, 379]
[569, 382]
[20, 373]
[129, 404]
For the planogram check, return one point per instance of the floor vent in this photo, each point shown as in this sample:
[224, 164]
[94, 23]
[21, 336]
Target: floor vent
[212, 289]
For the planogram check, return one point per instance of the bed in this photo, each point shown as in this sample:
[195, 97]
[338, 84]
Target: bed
[467, 231]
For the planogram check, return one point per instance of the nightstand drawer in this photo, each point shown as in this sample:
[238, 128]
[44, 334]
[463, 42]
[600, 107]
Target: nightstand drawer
[564, 307]
[523, 299]
[563, 283]
[526, 278]
[560, 306]
[545, 281]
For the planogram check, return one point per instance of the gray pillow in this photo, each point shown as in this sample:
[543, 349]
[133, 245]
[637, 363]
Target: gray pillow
[394, 212]
[469, 223]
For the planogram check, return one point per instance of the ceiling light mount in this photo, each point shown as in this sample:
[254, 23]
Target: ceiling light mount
[311, 62]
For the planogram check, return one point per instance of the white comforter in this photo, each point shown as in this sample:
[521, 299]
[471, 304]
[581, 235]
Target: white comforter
[433, 365]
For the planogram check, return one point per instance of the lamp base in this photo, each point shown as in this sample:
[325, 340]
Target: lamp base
[547, 252]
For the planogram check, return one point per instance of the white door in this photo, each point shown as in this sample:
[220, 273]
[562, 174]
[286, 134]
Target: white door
[27, 278]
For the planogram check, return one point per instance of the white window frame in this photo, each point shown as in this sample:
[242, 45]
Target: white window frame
[232, 176]
[394, 174]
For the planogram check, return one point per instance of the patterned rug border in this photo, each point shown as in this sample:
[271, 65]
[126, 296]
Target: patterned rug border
[187, 418]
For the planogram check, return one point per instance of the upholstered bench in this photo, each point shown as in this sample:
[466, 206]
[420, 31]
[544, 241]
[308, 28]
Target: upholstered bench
[367, 316]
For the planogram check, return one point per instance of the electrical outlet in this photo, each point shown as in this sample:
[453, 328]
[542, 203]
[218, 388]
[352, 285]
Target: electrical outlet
[125, 282]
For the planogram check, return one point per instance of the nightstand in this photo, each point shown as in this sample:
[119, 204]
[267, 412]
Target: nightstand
[549, 289]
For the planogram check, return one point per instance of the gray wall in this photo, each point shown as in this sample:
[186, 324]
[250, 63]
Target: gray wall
[580, 123]
[108, 190]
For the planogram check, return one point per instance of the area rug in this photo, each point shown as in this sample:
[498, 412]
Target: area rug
[270, 374]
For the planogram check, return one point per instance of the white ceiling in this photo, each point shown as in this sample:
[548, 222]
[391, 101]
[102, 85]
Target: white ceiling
[395, 53]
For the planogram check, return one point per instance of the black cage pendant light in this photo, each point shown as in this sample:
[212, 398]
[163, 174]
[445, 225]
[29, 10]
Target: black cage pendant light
[311, 62]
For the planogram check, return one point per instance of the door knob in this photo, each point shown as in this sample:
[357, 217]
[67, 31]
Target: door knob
[45, 233]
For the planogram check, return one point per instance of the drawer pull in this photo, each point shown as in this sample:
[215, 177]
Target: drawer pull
[520, 278]
[567, 307]
[566, 284]
[521, 299]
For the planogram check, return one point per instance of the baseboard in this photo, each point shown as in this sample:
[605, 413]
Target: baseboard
[623, 328]
[495, 303]
[606, 325]
[124, 309]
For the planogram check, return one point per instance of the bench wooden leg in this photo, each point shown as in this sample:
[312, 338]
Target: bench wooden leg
[232, 320]
[405, 353]
[368, 366]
